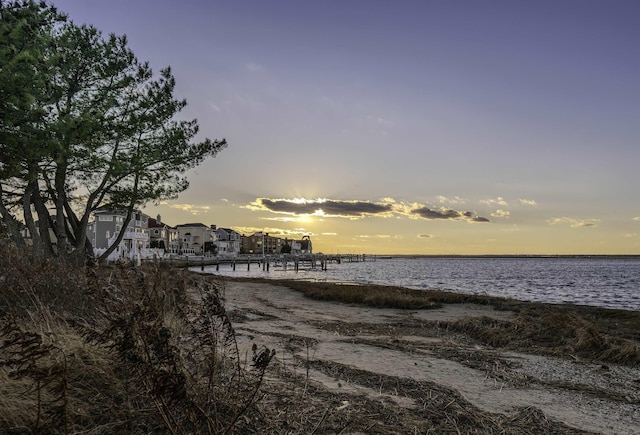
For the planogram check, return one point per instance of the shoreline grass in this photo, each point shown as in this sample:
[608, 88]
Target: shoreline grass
[591, 333]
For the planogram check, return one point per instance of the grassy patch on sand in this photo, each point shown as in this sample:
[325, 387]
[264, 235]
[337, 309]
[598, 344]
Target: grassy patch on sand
[574, 331]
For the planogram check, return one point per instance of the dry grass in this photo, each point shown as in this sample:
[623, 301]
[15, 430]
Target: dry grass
[553, 330]
[119, 350]
[376, 296]
[591, 333]
[436, 409]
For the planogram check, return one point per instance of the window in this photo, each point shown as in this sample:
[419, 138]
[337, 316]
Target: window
[105, 218]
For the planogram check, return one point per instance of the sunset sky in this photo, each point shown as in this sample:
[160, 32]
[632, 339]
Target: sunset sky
[414, 127]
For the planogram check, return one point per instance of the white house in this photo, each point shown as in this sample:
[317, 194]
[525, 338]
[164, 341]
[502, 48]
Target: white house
[302, 246]
[195, 238]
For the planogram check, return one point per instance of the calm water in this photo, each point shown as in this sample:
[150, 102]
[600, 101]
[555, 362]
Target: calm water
[607, 282]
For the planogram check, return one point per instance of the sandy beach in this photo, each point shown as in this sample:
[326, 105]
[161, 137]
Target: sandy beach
[368, 370]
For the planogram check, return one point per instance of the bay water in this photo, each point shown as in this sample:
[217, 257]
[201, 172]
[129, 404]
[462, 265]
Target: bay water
[612, 282]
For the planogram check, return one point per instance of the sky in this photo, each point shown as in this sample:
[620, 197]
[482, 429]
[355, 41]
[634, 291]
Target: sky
[404, 127]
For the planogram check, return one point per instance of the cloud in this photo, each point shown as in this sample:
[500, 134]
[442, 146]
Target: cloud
[190, 208]
[528, 202]
[424, 236]
[298, 208]
[445, 200]
[637, 219]
[573, 222]
[501, 214]
[495, 201]
[281, 219]
[447, 214]
[374, 236]
[323, 207]
[274, 231]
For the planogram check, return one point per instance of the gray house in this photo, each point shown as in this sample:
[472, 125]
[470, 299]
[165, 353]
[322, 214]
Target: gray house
[104, 230]
[228, 242]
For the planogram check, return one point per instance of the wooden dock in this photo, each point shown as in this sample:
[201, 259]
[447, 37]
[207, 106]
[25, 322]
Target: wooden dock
[267, 262]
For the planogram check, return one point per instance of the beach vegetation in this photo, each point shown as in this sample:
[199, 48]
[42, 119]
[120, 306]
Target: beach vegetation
[573, 331]
[120, 350]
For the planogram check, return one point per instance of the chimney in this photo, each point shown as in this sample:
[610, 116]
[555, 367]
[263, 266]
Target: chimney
[158, 219]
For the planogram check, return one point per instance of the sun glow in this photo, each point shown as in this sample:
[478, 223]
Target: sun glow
[311, 218]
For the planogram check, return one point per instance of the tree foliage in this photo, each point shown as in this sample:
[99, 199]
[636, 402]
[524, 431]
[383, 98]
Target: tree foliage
[210, 247]
[286, 248]
[84, 124]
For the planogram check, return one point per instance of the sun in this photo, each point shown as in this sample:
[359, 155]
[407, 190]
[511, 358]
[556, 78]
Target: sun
[305, 219]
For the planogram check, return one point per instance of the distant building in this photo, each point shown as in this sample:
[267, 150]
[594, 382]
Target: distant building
[228, 242]
[195, 238]
[261, 243]
[163, 236]
[105, 227]
[302, 246]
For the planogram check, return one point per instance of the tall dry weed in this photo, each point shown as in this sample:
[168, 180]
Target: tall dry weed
[170, 331]
[33, 283]
[119, 350]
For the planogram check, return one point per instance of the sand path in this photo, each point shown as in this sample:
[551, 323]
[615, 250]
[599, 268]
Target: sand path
[563, 390]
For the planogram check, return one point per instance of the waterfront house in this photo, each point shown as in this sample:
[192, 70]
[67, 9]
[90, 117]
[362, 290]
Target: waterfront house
[105, 227]
[302, 246]
[163, 236]
[261, 243]
[195, 238]
[227, 242]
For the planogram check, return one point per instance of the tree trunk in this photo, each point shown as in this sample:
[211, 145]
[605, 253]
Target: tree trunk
[61, 222]
[44, 220]
[29, 222]
[10, 222]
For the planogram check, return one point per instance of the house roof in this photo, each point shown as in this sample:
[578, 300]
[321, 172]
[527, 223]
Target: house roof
[153, 223]
[109, 211]
[118, 212]
[198, 224]
[228, 230]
